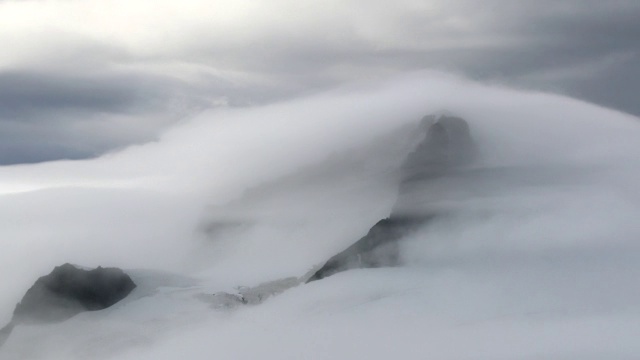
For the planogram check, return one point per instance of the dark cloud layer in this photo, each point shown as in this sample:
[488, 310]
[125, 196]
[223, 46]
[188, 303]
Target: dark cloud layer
[23, 94]
[88, 104]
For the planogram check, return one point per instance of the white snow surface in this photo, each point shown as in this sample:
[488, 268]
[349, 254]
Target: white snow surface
[536, 255]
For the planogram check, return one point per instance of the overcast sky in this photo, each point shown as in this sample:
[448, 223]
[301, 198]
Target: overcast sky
[79, 78]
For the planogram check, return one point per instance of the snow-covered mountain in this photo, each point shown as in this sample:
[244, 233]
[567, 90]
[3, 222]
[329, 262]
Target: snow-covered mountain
[533, 255]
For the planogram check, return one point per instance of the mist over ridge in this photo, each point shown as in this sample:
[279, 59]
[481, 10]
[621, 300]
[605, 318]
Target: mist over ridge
[543, 222]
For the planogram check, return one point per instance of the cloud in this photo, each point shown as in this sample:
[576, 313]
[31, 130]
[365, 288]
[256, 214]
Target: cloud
[538, 239]
[165, 60]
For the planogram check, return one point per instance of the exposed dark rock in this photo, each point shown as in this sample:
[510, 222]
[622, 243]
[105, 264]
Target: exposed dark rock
[378, 248]
[5, 332]
[68, 290]
[446, 146]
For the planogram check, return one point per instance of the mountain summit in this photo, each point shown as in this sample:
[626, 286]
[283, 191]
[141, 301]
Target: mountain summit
[447, 145]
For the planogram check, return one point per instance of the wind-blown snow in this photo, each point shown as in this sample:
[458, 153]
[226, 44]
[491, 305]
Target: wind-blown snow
[536, 255]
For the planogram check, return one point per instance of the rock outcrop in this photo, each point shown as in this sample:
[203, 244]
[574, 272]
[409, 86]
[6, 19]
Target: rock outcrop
[447, 145]
[68, 291]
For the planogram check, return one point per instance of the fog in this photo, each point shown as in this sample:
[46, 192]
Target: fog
[535, 254]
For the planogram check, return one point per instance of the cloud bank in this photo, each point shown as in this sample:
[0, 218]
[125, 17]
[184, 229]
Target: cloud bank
[537, 255]
[81, 78]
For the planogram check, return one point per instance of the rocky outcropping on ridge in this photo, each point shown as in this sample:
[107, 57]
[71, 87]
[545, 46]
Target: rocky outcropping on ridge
[68, 291]
[446, 146]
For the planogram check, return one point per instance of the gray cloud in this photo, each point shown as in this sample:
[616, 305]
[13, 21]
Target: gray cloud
[65, 115]
[24, 93]
[81, 92]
